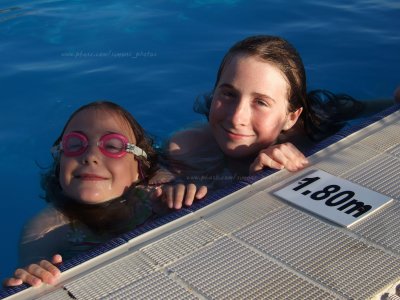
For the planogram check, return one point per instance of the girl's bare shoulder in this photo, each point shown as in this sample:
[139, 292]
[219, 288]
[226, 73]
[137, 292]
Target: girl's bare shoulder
[45, 221]
[186, 140]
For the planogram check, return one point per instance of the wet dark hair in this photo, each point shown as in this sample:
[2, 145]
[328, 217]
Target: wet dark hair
[323, 112]
[100, 217]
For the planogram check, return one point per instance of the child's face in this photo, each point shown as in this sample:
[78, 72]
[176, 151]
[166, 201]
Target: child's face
[249, 107]
[93, 177]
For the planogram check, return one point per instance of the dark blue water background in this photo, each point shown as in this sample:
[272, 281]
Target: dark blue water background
[154, 58]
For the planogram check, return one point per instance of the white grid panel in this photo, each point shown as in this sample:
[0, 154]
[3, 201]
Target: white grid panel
[387, 137]
[345, 159]
[382, 227]
[111, 277]
[181, 243]
[244, 212]
[395, 151]
[228, 270]
[60, 294]
[381, 174]
[329, 256]
[155, 286]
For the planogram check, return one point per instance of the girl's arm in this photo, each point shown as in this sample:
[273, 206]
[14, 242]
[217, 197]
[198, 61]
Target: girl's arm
[42, 236]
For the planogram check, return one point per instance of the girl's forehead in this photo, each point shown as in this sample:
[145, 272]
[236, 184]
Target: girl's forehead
[100, 119]
[247, 66]
[263, 71]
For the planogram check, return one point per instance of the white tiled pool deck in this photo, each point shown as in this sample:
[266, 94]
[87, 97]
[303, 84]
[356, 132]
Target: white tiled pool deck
[250, 244]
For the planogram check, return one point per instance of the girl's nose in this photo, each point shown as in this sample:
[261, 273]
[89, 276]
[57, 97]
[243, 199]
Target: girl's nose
[91, 155]
[240, 113]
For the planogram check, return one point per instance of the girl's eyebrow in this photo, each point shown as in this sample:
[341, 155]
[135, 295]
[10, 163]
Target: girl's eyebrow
[229, 86]
[78, 131]
[263, 96]
[226, 85]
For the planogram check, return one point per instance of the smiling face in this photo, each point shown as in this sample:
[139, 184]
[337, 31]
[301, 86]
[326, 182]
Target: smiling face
[93, 177]
[250, 106]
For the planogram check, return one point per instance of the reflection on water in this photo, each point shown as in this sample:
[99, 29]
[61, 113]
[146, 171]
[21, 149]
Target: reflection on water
[154, 58]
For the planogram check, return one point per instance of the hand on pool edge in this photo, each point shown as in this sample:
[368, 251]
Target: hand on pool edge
[36, 274]
[177, 195]
[279, 156]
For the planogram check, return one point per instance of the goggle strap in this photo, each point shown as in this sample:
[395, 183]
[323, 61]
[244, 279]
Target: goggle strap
[135, 150]
[56, 149]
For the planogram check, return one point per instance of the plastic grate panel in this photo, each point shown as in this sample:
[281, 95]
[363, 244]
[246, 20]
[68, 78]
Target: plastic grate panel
[244, 212]
[395, 151]
[329, 256]
[340, 162]
[111, 277]
[56, 295]
[181, 243]
[154, 286]
[388, 168]
[229, 270]
[382, 227]
[388, 137]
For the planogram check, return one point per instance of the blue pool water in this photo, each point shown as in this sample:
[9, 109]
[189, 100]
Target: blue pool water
[154, 57]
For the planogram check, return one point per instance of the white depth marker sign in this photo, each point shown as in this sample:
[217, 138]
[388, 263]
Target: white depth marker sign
[333, 198]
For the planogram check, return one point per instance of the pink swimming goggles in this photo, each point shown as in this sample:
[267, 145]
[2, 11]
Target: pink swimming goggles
[112, 145]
